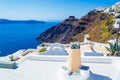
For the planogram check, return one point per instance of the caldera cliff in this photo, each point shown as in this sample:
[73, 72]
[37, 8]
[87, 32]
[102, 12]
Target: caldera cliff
[98, 23]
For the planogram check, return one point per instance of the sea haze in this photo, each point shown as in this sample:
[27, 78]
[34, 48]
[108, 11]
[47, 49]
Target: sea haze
[20, 36]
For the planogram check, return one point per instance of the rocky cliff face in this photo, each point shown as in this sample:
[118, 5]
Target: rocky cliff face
[100, 29]
[99, 24]
[63, 32]
[94, 23]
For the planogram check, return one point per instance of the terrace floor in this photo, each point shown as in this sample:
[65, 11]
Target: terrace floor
[49, 70]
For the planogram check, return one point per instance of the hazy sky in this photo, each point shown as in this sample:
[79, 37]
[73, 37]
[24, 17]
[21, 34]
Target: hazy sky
[48, 9]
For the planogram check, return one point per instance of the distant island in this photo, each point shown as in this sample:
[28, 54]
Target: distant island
[6, 21]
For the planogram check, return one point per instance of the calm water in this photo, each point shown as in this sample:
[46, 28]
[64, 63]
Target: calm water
[20, 36]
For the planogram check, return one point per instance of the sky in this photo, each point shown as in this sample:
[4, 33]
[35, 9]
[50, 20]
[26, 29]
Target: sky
[48, 9]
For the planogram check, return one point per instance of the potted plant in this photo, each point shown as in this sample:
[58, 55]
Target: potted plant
[114, 49]
[92, 49]
[11, 57]
[74, 57]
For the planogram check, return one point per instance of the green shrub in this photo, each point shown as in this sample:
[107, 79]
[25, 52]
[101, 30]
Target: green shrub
[42, 50]
[11, 58]
[114, 48]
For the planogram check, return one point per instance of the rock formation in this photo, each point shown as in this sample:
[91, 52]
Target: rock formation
[98, 23]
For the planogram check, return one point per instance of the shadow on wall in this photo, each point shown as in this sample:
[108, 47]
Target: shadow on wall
[94, 76]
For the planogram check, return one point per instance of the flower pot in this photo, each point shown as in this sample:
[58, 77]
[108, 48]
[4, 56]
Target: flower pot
[74, 59]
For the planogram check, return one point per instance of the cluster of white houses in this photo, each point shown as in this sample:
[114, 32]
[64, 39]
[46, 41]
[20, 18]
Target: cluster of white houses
[115, 9]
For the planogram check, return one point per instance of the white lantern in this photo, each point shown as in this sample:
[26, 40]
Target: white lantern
[86, 36]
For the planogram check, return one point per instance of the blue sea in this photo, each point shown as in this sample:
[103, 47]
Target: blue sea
[20, 36]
